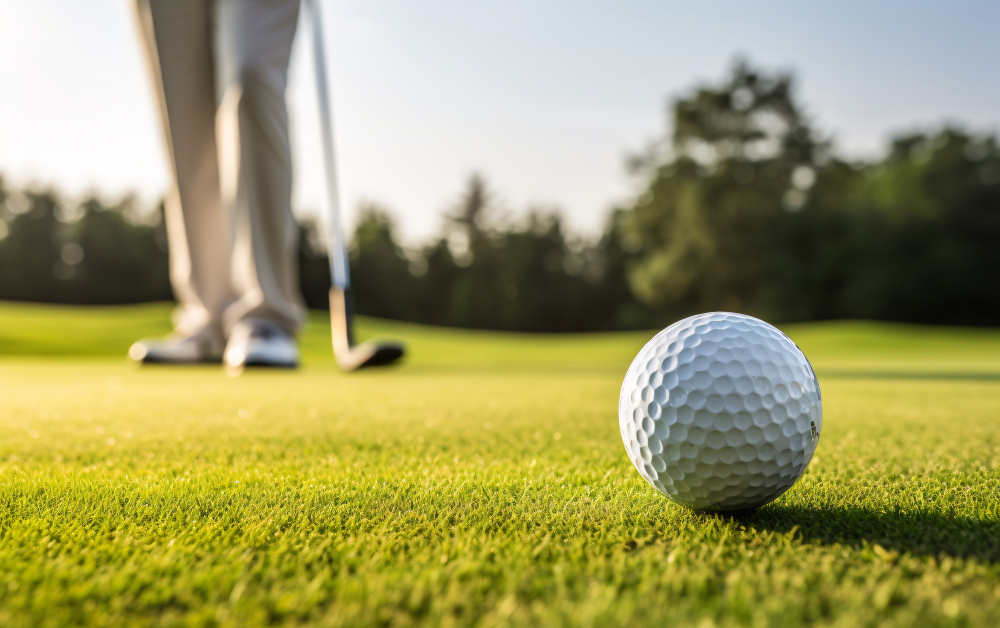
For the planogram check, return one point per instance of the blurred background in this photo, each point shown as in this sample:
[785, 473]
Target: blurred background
[555, 167]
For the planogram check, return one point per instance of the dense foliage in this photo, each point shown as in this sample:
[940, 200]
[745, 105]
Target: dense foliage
[743, 206]
[485, 272]
[747, 208]
[89, 253]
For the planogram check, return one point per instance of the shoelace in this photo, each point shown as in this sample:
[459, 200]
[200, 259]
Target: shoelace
[265, 332]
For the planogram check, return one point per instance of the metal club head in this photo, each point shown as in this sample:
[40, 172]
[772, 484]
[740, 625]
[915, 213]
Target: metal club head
[351, 357]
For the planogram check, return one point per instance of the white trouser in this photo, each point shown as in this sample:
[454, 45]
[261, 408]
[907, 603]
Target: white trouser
[219, 68]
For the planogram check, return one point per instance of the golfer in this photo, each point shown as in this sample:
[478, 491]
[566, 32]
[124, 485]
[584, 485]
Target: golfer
[219, 69]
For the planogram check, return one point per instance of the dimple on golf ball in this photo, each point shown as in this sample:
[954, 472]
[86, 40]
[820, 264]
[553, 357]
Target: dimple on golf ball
[720, 412]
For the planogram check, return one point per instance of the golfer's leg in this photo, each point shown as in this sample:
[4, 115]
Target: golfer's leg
[178, 37]
[253, 45]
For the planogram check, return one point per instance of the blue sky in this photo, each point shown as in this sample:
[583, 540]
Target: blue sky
[545, 98]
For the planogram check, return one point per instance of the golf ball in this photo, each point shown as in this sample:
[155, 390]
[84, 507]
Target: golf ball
[720, 412]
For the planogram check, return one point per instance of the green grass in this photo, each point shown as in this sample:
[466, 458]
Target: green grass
[483, 482]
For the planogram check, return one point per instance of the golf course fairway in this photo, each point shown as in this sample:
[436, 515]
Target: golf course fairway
[482, 482]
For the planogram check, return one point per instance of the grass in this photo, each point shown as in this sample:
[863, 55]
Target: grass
[483, 482]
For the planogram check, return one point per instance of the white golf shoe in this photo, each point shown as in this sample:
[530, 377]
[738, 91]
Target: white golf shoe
[201, 347]
[259, 343]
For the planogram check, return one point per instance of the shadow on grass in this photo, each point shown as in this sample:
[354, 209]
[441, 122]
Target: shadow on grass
[919, 533]
[920, 375]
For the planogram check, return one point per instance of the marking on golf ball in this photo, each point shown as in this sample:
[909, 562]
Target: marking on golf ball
[720, 412]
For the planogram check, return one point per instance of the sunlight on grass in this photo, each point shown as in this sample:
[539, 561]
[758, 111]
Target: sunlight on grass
[483, 482]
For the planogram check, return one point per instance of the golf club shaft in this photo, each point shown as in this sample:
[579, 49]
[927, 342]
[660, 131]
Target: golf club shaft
[339, 272]
[349, 357]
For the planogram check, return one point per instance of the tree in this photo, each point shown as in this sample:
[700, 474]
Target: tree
[745, 208]
[740, 159]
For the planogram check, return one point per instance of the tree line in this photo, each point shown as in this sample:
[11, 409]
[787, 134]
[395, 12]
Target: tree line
[742, 205]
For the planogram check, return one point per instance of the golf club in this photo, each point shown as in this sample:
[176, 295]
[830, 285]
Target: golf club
[349, 356]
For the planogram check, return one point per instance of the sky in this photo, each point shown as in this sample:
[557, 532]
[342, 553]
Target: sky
[545, 98]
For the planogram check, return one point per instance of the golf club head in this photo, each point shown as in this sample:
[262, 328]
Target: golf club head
[351, 357]
[370, 354]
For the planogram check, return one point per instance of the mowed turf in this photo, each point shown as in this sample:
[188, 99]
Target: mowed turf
[482, 482]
